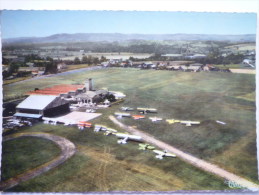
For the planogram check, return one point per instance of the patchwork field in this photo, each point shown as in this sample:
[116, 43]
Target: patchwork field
[102, 165]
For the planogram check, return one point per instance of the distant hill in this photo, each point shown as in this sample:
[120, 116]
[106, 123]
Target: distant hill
[111, 37]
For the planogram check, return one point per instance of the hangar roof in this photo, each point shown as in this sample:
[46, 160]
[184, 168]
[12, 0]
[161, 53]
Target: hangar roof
[36, 102]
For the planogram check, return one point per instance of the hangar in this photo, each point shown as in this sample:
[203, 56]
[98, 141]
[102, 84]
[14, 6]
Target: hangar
[37, 106]
[47, 102]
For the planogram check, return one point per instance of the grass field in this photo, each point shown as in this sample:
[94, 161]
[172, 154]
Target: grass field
[6, 82]
[100, 164]
[22, 154]
[234, 66]
[188, 96]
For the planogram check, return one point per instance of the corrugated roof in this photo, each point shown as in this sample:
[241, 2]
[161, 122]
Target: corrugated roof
[36, 102]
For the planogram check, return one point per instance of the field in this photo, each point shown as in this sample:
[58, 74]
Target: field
[19, 155]
[242, 47]
[206, 97]
[115, 55]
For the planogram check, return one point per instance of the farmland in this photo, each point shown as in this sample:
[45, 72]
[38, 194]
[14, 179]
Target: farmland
[205, 97]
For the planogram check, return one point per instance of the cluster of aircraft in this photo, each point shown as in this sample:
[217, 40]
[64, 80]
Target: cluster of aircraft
[123, 138]
[153, 119]
[80, 124]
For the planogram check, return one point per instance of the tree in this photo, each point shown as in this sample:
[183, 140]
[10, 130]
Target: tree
[13, 67]
[84, 60]
[95, 60]
[111, 97]
[77, 60]
[103, 59]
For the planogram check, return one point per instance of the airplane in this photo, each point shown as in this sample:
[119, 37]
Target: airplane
[121, 114]
[161, 154]
[172, 121]
[190, 123]
[145, 147]
[154, 119]
[127, 109]
[69, 122]
[221, 122]
[90, 110]
[83, 124]
[110, 131]
[125, 137]
[98, 128]
[136, 117]
[147, 110]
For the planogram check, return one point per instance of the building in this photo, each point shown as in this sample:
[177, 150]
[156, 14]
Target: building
[56, 100]
[48, 102]
[90, 97]
[37, 106]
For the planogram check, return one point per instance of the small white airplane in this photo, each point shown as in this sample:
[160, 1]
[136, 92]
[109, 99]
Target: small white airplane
[98, 128]
[190, 123]
[147, 110]
[162, 154]
[127, 109]
[154, 119]
[125, 137]
[122, 114]
[221, 122]
[90, 110]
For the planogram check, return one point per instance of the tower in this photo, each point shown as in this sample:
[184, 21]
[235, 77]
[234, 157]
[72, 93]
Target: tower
[89, 85]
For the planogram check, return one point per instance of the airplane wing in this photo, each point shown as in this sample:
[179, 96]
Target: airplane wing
[169, 155]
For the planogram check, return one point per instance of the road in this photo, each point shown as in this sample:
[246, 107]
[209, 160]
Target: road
[68, 149]
[206, 166]
[58, 74]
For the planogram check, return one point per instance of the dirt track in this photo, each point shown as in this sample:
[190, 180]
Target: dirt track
[68, 149]
[189, 158]
[243, 71]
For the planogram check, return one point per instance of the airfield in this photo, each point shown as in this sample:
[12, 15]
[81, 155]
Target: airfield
[100, 164]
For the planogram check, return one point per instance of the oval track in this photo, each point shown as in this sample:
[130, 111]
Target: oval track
[68, 149]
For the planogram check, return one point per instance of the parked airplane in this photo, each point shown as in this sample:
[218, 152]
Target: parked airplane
[125, 137]
[83, 124]
[121, 114]
[110, 131]
[147, 110]
[161, 154]
[127, 109]
[100, 128]
[190, 123]
[154, 119]
[145, 147]
[90, 110]
[221, 122]
[172, 121]
[136, 117]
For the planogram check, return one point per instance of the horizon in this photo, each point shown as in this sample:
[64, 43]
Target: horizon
[20, 23]
[129, 34]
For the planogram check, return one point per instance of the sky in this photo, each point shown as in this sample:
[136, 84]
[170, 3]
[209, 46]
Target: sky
[21, 23]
